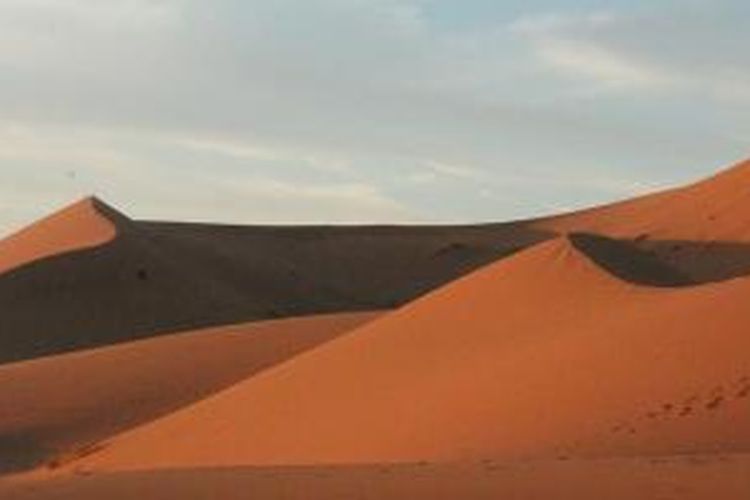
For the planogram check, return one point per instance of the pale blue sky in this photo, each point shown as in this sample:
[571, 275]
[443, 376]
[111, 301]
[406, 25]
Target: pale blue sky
[364, 110]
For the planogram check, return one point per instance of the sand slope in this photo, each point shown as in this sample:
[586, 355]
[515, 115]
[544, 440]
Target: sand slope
[710, 209]
[77, 227]
[700, 228]
[541, 354]
[60, 404]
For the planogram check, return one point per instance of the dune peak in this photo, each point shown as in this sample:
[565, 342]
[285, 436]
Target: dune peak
[86, 223]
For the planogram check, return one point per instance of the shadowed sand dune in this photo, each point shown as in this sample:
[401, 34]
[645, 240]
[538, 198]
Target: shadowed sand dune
[155, 278]
[685, 478]
[628, 262]
[69, 401]
[541, 354]
[709, 210]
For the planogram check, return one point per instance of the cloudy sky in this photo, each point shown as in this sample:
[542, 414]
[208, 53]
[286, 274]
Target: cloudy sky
[364, 110]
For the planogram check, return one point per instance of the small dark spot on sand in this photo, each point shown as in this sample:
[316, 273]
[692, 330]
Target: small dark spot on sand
[715, 403]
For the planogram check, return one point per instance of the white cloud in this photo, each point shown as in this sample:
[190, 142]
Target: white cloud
[602, 65]
[46, 168]
[650, 50]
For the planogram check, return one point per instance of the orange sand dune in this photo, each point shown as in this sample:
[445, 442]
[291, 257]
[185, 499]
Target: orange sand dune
[722, 477]
[155, 278]
[79, 226]
[541, 354]
[55, 403]
[709, 210]
[701, 229]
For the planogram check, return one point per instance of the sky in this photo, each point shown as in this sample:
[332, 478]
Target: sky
[364, 111]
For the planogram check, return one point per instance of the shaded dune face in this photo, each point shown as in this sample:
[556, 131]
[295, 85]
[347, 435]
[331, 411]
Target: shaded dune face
[543, 354]
[59, 405]
[157, 278]
[701, 230]
[82, 225]
[625, 260]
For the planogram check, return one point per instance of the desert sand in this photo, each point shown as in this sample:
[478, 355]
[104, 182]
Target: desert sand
[541, 354]
[57, 404]
[597, 354]
[699, 229]
[160, 278]
[678, 478]
[76, 227]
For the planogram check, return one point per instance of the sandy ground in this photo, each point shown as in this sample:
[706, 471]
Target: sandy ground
[53, 405]
[725, 477]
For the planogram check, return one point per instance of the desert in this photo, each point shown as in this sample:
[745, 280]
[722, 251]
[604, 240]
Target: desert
[587, 350]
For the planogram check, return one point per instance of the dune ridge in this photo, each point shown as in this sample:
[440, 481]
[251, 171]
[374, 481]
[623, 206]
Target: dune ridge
[702, 211]
[84, 224]
[699, 229]
[497, 364]
[157, 277]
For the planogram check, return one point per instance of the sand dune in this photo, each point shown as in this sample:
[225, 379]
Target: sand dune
[61, 403]
[704, 211]
[700, 228]
[685, 478]
[598, 354]
[157, 278]
[77, 227]
[541, 354]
